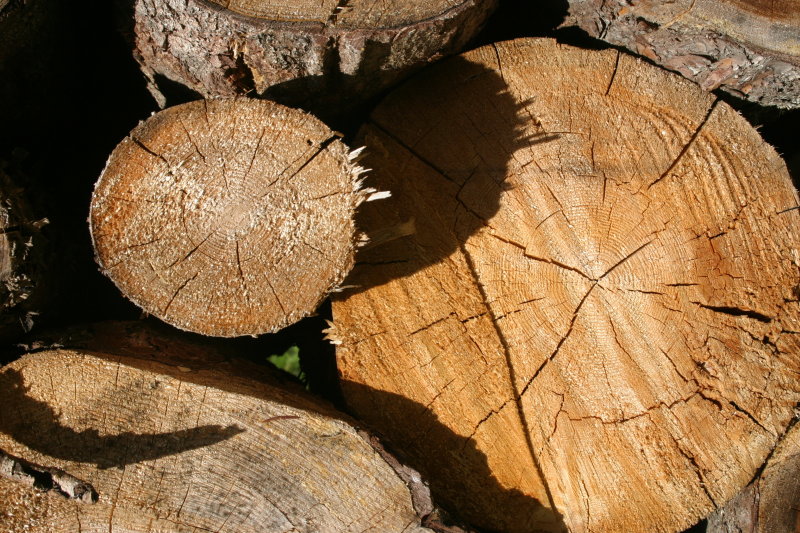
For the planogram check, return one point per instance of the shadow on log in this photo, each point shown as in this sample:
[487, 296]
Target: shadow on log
[459, 459]
[190, 445]
[595, 328]
[462, 149]
[89, 446]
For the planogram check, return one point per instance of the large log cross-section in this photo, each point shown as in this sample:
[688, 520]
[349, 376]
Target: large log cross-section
[596, 324]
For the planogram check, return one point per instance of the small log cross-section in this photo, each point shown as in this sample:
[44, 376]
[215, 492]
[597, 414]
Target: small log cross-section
[176, 448]
[227, 217]
[311, 51]
[596, 325]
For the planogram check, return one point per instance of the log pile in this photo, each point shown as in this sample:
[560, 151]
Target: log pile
[575, 308]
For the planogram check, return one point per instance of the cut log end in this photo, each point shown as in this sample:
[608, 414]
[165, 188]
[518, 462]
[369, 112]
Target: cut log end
[227, 217]
[595, 320]
[171, 448]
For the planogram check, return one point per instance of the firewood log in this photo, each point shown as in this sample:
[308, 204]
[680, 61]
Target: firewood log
[228, 217]
[174, 437]
[595, 326]
[319, 54]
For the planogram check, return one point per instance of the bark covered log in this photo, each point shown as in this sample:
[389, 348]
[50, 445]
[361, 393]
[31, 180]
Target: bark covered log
[314, 54]
[228, 217]
[771, 504]
[24, 262]
[750, 49]
[594, 327]
[174, 437]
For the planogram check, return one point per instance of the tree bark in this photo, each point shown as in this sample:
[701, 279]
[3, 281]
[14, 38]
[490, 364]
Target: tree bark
[594, 327]
[178, 439]
[228, 217]
[319, 55]
[750, 49]
[771, 504]
[24, 262]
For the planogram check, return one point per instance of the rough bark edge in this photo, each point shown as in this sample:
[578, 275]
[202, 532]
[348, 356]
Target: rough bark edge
[222, 53]
[708, 57]
[46, 479]
[430, 515]
[756, 504]
[22, 287]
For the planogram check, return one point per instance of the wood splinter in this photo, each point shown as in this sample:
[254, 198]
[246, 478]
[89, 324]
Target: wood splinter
[229, 217]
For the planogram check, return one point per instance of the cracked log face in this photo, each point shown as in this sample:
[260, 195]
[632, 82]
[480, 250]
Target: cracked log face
[750, 49]
[177, 448]
[227, 217]
[314, 54]
[595, 326]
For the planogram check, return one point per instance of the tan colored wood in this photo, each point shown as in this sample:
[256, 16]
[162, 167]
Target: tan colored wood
[350, 14]
[326, 56]
[178, 448]
[227, 217]
[771, 504]
[595, 325]
[750, 49]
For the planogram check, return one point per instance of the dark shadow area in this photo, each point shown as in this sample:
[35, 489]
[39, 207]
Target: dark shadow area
[522, 18]
[459, 476]
[232, 365]
[36, 425]
[699, 527]
[70, 92]
[340, 100]
[441, 144]
[175, 93]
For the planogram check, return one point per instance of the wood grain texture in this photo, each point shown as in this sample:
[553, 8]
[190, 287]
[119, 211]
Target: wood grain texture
[227, 217]
[314, 54]
[750, 49]
[595, 326]
[187, 448]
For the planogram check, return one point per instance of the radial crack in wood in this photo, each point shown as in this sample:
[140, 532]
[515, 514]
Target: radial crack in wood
[593, 326]
[227, 217]
[190, 444]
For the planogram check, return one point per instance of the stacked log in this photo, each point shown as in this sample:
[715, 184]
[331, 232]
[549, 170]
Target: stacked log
[595, 325]
[172, 436]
